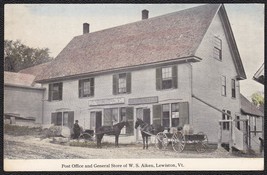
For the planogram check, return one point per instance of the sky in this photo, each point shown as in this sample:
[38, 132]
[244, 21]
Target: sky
[54, 25]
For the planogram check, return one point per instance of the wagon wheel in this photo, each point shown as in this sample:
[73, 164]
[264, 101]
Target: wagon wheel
[178, 141]
[202, 144]
[86, 137]
[161, 140]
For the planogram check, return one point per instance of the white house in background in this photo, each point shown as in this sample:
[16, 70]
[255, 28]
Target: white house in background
[22, 98]
[175, 69]
[255, 126]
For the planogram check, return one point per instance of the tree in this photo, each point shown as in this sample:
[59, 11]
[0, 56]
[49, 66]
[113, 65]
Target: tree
[257, 99]
[18, 56]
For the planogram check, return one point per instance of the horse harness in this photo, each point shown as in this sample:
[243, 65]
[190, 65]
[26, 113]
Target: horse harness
[143, 126]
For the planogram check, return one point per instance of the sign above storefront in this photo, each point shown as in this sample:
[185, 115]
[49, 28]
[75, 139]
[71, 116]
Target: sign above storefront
[109, 101]
[143, 100]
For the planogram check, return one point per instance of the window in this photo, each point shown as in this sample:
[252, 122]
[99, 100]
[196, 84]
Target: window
[171, 115]
[86, 87]
[166, 78]
[63, 119]
[223, 79]
[226, 125]
[122, 114]
[122, 83]
[175, 114]
[217, 49]
[233, 89]
[113, 116]
[165, 115]
[170, 119]
[55, 91]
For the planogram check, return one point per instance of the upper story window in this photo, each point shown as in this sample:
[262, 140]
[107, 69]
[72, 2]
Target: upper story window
[55, 91]
[166, 77]
[223, 79]
[217, 49]
[121, 83]
[233, 88]
[86, 87]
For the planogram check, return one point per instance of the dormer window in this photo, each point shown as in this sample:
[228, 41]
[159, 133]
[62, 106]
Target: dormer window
[217, 49]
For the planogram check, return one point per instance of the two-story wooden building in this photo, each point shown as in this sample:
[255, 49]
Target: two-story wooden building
[159, 69]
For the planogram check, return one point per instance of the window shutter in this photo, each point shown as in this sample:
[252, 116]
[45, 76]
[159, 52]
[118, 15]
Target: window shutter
[174, 77]
[50, 92]
[158, 79]
[70, 119]
[115, 84]
[128, 82]
[107, 117]
[130, 119]
[59, 118]
[80, 88]
[92, 87]
[60, 91]
[157, 112]
[54, 118]
[183, 114]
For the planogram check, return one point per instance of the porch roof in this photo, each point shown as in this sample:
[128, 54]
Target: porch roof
[248, 108]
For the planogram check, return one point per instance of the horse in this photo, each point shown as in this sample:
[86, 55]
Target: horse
[110, 130]
[147, 130]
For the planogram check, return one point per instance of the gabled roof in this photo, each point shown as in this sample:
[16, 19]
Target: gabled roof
[19, 79]
[241, 75]
[248, 108]
[259, 75]
[170, 37]
[173, 36]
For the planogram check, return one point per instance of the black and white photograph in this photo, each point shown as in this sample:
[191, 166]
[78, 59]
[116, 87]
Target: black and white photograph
[133, 87]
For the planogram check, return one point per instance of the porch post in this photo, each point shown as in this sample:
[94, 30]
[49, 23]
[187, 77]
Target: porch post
[231, 136]
[220, 135]
[245, 132]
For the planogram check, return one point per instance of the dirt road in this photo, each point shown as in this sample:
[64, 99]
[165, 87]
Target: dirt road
[29, 147]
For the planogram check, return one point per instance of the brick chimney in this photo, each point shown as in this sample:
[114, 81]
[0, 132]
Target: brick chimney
[144, 14]
[85, 28]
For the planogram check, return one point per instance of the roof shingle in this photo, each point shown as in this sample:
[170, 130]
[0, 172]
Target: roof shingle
[248, 108]
[19, 79]
[172, 36]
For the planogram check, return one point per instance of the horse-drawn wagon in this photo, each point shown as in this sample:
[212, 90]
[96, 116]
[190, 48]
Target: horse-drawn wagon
[179, 140]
